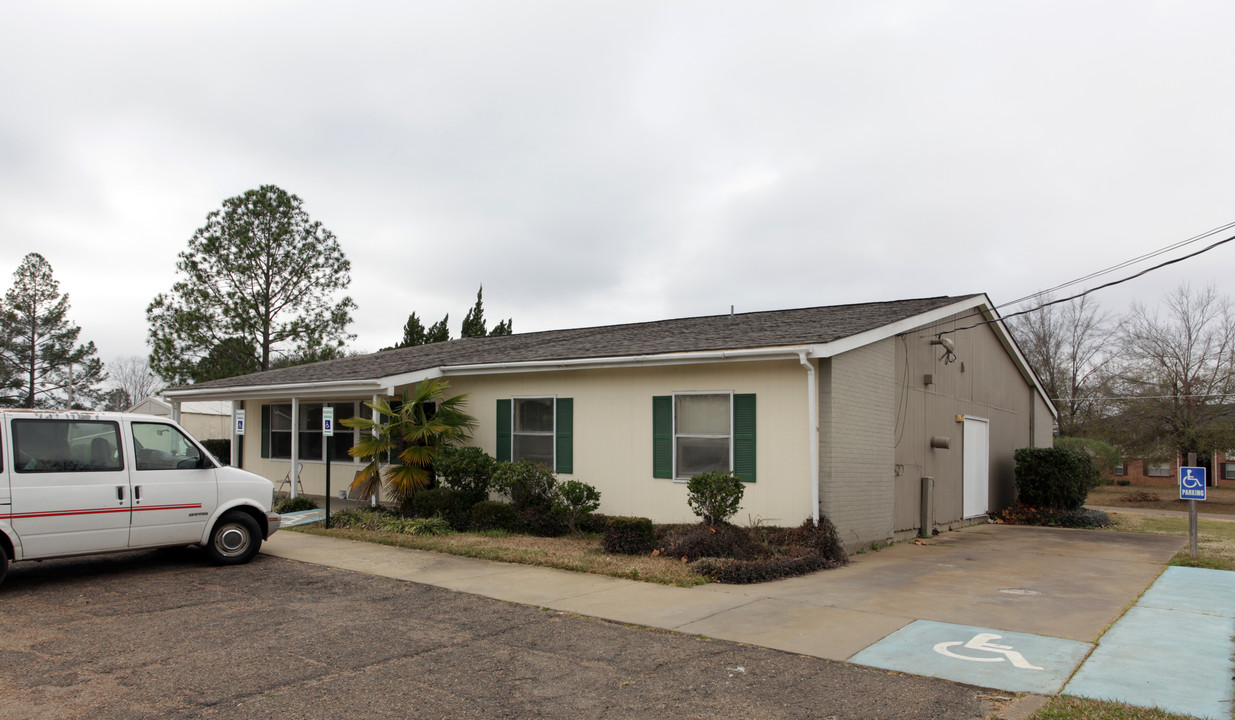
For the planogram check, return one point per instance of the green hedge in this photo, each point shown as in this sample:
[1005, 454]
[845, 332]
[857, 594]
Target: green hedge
[1058, 477]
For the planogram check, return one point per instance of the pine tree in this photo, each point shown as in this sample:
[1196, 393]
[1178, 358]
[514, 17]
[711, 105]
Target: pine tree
[413, 332]
[49, 368]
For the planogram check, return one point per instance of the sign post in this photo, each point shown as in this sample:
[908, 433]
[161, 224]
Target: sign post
[1192, 488]
[328, 433]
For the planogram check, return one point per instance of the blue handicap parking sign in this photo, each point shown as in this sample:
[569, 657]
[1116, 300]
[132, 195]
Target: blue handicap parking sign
[1191, 483]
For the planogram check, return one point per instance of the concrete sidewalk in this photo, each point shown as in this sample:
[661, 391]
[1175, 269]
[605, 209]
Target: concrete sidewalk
[1014, 608]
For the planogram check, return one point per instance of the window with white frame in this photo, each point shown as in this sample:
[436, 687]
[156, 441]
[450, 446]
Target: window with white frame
[532, 430]
[1157, 469]
[1228, 471]
[702, 433]
[312, 444]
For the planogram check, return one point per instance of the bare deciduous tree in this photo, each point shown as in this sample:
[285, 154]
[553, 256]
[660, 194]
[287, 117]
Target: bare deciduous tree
[131, 381]
[1069, 346]
[1178, 375]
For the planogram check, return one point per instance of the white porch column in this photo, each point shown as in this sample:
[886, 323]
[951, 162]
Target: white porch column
[377, 417]
[295, 466]
[237, 406]
[175, 410]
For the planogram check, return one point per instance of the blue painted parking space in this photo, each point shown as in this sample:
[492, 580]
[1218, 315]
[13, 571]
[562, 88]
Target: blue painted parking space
[303, 517]
[1018, 662]
[1172, 650]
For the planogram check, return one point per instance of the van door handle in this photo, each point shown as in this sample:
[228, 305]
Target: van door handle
[120, 493]
[137, 493]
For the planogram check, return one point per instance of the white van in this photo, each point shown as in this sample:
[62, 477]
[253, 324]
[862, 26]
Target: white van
[77, 483]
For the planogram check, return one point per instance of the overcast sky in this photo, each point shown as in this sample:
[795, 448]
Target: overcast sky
[603, 162]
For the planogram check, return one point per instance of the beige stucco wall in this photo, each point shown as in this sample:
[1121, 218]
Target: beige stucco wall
[613, 434]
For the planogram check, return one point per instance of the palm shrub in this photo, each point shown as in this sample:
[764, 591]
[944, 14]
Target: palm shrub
[577, 500]
[414, 432]
[467, 469]
[714, 496]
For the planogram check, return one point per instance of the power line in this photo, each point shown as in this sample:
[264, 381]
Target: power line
[1096, 289]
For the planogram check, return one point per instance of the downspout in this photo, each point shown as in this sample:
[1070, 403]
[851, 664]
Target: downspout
[812, 433]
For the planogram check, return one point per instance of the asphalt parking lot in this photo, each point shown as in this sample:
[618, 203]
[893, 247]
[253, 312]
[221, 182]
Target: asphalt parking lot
[165, 635]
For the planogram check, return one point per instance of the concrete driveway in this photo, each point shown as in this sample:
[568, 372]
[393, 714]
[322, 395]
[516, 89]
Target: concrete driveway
[985, 596]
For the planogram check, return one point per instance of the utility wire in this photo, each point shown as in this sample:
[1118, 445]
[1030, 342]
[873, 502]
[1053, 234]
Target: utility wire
[1125, 263]
[1093, 290]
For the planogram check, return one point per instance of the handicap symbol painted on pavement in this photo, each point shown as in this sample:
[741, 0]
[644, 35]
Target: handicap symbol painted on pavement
[984, 656]
[982, 643]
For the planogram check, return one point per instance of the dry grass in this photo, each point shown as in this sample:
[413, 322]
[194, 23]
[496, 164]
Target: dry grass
[1215, 538]
[1219, 500]
[580, 553]
[1064, 707]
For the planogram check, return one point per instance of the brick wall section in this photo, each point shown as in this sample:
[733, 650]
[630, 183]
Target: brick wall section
[857, 435]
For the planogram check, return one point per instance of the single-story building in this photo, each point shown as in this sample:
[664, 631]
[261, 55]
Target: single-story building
[852, 411]
[206, 420]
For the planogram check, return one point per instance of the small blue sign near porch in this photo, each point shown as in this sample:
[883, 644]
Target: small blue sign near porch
[1191, 483]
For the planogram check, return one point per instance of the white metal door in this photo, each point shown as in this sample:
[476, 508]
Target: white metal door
[976, 471]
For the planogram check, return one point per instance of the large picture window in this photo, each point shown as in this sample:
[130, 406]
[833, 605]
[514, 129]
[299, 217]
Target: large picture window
[1157, 469]
[277, 426]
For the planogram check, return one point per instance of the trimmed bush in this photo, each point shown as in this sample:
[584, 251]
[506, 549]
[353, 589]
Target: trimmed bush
[529, 485]
[453, 506]
[1049, 517]
[628, 536]
[577, 500]
[1057, 478]
[714, 496]
[468, 469]
[494, 515]
[541, 522]
[296, 504]
[739, 572]
[1104, 456]
[221, 448]
[822, 538]
[593, 523]
[715, 541]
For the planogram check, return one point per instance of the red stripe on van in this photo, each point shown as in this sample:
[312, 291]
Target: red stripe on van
[98, 511]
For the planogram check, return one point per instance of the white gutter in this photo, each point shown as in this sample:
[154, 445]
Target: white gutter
[625, 360]
[812, 433]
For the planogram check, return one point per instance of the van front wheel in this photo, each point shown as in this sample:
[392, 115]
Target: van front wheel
[234, 540]
[4, 562]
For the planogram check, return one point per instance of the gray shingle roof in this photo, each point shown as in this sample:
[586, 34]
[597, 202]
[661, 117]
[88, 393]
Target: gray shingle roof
[714, 332]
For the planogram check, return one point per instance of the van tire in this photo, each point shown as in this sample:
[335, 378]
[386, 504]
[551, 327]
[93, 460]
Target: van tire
[4, 562]
[234, 540]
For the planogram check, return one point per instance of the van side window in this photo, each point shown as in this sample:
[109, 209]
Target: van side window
[66, 446]
[157, 446]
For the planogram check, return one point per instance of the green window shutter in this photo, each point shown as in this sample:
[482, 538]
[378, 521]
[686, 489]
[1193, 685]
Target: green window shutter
[662, 436]
[503, 431]
[265, 431]
[565, 435]
[744, 437]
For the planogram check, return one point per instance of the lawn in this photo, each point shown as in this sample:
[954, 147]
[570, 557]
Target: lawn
[1063, 707]
[580, 553]
[1215, 538]
[1219, 500]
